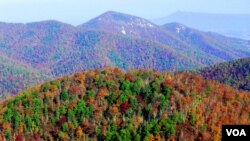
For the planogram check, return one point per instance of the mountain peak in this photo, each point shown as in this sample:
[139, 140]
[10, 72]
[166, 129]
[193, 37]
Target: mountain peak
[113, 16]
[113, 13]
[117, 18]
[119, 23]
[175, 26]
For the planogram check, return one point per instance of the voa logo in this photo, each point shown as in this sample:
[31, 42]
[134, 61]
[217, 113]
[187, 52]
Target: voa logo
[236, 132]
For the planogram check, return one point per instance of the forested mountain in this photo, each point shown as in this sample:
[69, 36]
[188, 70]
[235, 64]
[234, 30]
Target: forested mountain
[204, 47]
[113, 105]
[53, 49]
[235, 73]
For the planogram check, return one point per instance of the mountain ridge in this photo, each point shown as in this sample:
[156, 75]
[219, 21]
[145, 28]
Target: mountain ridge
[58, 49]
[231, 25]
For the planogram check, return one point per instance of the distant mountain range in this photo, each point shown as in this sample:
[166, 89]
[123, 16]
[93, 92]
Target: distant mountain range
[50, 48]
[232, 25]
[235, 73]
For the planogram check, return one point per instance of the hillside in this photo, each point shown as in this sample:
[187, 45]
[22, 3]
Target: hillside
[211, 44]
[113, 105]
[55, 54]
[231, 25]
[235, 73]
[15, 77]
[52, 48]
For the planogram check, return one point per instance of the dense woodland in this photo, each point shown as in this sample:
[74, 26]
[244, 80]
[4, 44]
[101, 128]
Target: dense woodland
[235, 73]
[113, 105]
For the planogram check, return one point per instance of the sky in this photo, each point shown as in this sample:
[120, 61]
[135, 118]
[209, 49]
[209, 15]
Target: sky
[76, 12]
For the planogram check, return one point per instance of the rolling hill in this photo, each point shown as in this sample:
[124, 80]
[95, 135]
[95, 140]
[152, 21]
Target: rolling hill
[235, 73]
[113, 105]
[52, 48]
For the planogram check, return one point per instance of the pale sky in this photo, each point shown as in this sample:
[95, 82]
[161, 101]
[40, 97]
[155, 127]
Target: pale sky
[79, 11]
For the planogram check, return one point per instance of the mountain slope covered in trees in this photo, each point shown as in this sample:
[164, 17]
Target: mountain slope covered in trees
[113, 39]
[15, 77]
[113, 105]
[86, 49]
[212, 44]
[235, 73]
[204, 47]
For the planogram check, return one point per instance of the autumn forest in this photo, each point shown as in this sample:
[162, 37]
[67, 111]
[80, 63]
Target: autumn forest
[111, 104]
[119, 77]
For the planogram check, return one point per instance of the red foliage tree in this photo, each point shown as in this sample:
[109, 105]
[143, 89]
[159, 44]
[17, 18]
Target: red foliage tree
[124, 106]
[19, 137]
